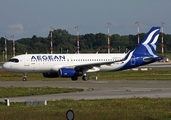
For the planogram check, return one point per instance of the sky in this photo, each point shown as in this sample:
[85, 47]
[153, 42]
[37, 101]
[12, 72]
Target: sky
[25, 18]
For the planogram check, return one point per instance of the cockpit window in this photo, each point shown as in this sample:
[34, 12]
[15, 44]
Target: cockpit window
[14, 60]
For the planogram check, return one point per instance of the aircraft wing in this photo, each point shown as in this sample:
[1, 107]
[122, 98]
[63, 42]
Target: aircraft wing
[90, 66]
[82, 66]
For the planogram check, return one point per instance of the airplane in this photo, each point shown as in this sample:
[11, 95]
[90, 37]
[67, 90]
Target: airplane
[75, 65]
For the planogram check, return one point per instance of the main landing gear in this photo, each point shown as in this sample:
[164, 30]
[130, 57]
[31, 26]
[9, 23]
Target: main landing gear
[84, 78]
[25, 77]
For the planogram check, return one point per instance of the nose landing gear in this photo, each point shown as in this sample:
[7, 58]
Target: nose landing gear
[25, 77]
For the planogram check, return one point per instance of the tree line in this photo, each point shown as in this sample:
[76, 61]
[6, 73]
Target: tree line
[89, 43]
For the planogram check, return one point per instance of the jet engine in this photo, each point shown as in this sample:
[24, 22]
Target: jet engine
[69, 72]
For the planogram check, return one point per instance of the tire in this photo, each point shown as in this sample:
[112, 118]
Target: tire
[74, 78]
[85, 78]
[24, 79]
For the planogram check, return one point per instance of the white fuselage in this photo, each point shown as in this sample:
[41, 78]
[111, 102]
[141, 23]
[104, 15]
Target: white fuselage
[53, 62]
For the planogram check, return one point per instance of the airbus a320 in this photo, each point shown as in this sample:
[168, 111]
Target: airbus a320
[75, 65]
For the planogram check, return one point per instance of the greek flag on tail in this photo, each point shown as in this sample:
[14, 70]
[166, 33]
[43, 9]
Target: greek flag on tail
[149, 43]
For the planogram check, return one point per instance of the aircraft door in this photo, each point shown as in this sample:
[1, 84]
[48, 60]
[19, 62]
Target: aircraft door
[26, 61]
[133, 60]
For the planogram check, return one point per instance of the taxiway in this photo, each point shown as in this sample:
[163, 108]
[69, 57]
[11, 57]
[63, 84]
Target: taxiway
[101, 89]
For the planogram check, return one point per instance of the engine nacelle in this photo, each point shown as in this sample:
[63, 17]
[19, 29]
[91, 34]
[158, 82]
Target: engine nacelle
[69, 72]
[50, 75]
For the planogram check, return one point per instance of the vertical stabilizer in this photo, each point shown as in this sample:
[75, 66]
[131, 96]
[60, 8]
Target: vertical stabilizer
[149, 43]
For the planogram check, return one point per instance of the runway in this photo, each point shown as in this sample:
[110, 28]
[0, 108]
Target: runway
[101, 89]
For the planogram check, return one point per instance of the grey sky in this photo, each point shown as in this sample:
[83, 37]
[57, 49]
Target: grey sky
[35, 17]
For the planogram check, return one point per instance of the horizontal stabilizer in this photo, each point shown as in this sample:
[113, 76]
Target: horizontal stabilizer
[148, 59]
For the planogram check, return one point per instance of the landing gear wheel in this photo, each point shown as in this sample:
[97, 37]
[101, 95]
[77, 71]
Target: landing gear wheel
[24, 79]
[74, 78]
[85, 78]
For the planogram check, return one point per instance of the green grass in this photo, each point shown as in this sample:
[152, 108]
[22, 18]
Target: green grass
[24, 91]
[138, 75]
[107, 109]
[119, 75]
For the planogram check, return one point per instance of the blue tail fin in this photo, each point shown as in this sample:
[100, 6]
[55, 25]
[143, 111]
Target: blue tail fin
[149, 43]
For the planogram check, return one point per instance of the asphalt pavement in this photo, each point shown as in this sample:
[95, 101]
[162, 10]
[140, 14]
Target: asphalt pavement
[95, 89]
[99, 89]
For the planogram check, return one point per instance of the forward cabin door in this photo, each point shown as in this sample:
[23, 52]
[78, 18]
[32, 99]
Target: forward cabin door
[26, 60]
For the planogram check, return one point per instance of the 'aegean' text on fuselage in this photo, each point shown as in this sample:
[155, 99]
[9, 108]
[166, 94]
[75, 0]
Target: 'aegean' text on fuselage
[49, 57]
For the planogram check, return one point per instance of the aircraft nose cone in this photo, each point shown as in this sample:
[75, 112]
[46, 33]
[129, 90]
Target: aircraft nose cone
[5, 66]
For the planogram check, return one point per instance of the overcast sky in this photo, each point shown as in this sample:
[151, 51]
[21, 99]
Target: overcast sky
[25, 18]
